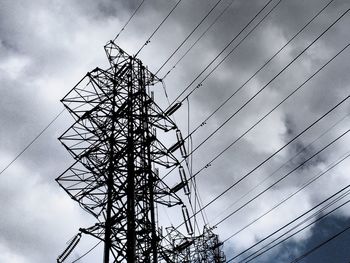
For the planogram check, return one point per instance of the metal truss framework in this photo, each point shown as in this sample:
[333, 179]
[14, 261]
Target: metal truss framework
[205, 248]
[115, 147]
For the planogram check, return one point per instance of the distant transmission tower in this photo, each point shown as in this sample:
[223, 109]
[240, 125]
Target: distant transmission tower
[116, 150]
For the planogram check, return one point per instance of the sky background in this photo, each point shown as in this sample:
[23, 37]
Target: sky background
[46, 47]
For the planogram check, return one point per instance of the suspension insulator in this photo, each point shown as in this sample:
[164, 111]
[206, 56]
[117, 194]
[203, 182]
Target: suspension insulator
[174, 147]
[61, 258]
[184, 180]
[177, 187]
[178, 144]
[187, 220]
[182, 145]
[173, 108]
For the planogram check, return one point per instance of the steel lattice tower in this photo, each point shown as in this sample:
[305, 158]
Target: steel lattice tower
[115, 147]
[114, 144]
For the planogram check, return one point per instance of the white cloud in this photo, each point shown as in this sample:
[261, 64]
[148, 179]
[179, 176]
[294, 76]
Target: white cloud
[9, 256]
[35, 211]
[14, 66]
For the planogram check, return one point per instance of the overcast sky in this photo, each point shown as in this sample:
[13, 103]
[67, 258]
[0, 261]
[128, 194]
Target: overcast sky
[46, 47]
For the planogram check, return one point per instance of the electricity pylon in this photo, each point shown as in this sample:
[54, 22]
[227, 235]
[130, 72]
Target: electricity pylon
[116, 149]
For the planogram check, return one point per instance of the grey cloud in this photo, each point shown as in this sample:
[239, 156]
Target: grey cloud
[73, 45]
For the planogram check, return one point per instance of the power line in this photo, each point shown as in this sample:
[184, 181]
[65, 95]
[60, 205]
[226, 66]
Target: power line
[274, 154]
[284, 177]
[117, 36]
[257, 93]
[87, 252]
[284, 164]
[188, 36]
[265, 116]
[60, 113]
[295, 233]
[290, 223]
[199, 38]
[128, 21]
[277, 75]
[262, 67]
[64, 109]
[161, 23]
[299, 230]
[227, 46]
[32, 141]
[320, 245]
[283, 201]
[200, 84]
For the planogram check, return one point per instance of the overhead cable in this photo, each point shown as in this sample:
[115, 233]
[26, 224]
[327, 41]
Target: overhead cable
[320, 245]
[199, 38]
[87, 252]
[130, 18]
[297, 232]
[285, 176]
[274, 154]
[268, 113]
[188, 36]
[61, 112]
[262, 67]
[32, 141]
[277, 75]
[227, 46]
[158, 27]
[262, 118]
[312, 180]
[344, 189]
[285, 163]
